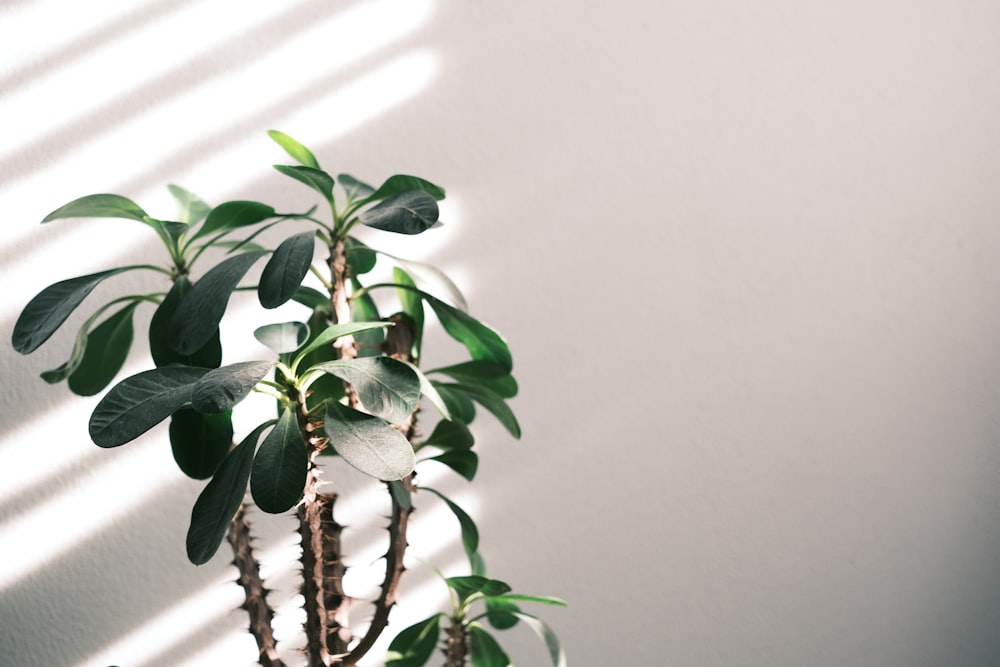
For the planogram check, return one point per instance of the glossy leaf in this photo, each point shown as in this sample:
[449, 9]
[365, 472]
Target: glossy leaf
[463, 461]
[311, 298]
[278, 475]
[414, 645]
[200, 311]
[413, 307]
[360, 258]
[500, 614]
[368, 443]
[107, 347]
[232, 215]
[99, 206]
[469, 585]
[388, 388]
[484, 651]
[354, 188]
[333, 332]
[482, 342]
[283, 337]
[459, 405]
[450, 435]
[317, 179]
[49, 309]
[285, 270]
[410, 212]
[470, 534]
[296, 150]
[400, 183]
[219, 500]
[488, 374]
[191, 208]
[199, 441]
[208, 355]
[140, 402]
[222, 388]
[492, 402]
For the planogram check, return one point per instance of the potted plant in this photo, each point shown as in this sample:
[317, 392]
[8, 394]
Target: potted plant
[347, 385]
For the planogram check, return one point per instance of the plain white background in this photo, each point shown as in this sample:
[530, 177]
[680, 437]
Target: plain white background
[745, 255]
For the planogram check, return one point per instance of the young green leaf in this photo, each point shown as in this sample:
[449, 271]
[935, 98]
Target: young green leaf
[410, 212]
[284, 337]
[412, 306]
[368, 443]
[99, 206]
[200, 311]
[49, 309]
[315, 178]
[470, 534]
[191, 209]
[363, 309]
[284, 271]
[295, 150]
[208, 355]
[219, 500]
[463, 461]
[400, 183]
[232, 215]
[140, 402]
[500, 612]
[199, 442]
[414, 646]
[484, 651]
[107, 347]
[222, 388]
[353, 188]
[332, 333]
[468, 585]
[279, 469]
[388, 388]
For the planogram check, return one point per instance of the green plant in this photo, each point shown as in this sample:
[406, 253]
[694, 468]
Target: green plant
[345, 379]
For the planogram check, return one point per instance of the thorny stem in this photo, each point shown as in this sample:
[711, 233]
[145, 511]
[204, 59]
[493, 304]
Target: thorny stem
[456, 645]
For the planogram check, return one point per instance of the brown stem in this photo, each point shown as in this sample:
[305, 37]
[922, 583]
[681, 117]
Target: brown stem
[456, 645]
[255, 604]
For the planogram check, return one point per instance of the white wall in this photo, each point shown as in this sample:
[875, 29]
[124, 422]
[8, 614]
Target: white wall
[745, 255]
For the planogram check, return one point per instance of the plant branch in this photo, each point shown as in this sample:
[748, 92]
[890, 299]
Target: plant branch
[256, 604]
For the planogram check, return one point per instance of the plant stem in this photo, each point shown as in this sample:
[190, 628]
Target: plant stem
[256, 605]
[456, 645]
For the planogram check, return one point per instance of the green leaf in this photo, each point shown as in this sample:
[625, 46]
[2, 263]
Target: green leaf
[233, 215]
[283, 337]
[450, 435]
[191, 209]
[199, 441]
[297, 151]
[428, 389]
[200, 311]
[460, 407]
[219, 500]
[368, 443]
[99, 206]
[482, 342]
[285, 270]
[400, 494]
[432, 280]
[332, 333]
[401, 183]
[76, 354]
[208, 355]
[484, 651]
[354, 188]
[317, 179]
[49, 309]
[492, 402]
[360, 258]
[412, 306]
[278, 476]
[489, 374]
[363, 309]
[500, 612]
[470, 534]
[414, 646]
[410, 212]
[107, 347]
[222, 388]
[312, 298]
[471, 584]
[140, 402]
[541, 599]
[463, 461]
[546, 634]
[388, 388]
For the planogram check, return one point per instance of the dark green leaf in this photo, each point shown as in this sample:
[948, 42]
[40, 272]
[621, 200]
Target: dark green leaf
[199, 442]
[414, 646]
[99, 206]
[354, 188]
[107, 347]
[401, 183]
[360, 258]
[500, 612]
[283, 273]
[283, 337]
[400, 494]
[332, 333]
[160, 345]
[410, 212]
[191, 209]
[471, 584]
[482, 342]
[492, 402]
[222, 388]
[368, 443]
[470, 534]
[484, 651]
[463, 461]
[200, 311]
[317, 179]
[297, 151]
[363, 309]
[62, 372]
[386, 387]
[412, 305]
[49, 309]
[460, 407]
[430, 391]
[450, 435]
[219, 501]
[489, 374]
[233, 215]
[279, 469]
[311, 298]
[140, 402]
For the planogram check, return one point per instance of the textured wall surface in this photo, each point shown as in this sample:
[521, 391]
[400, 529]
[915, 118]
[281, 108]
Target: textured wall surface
[745, 253]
